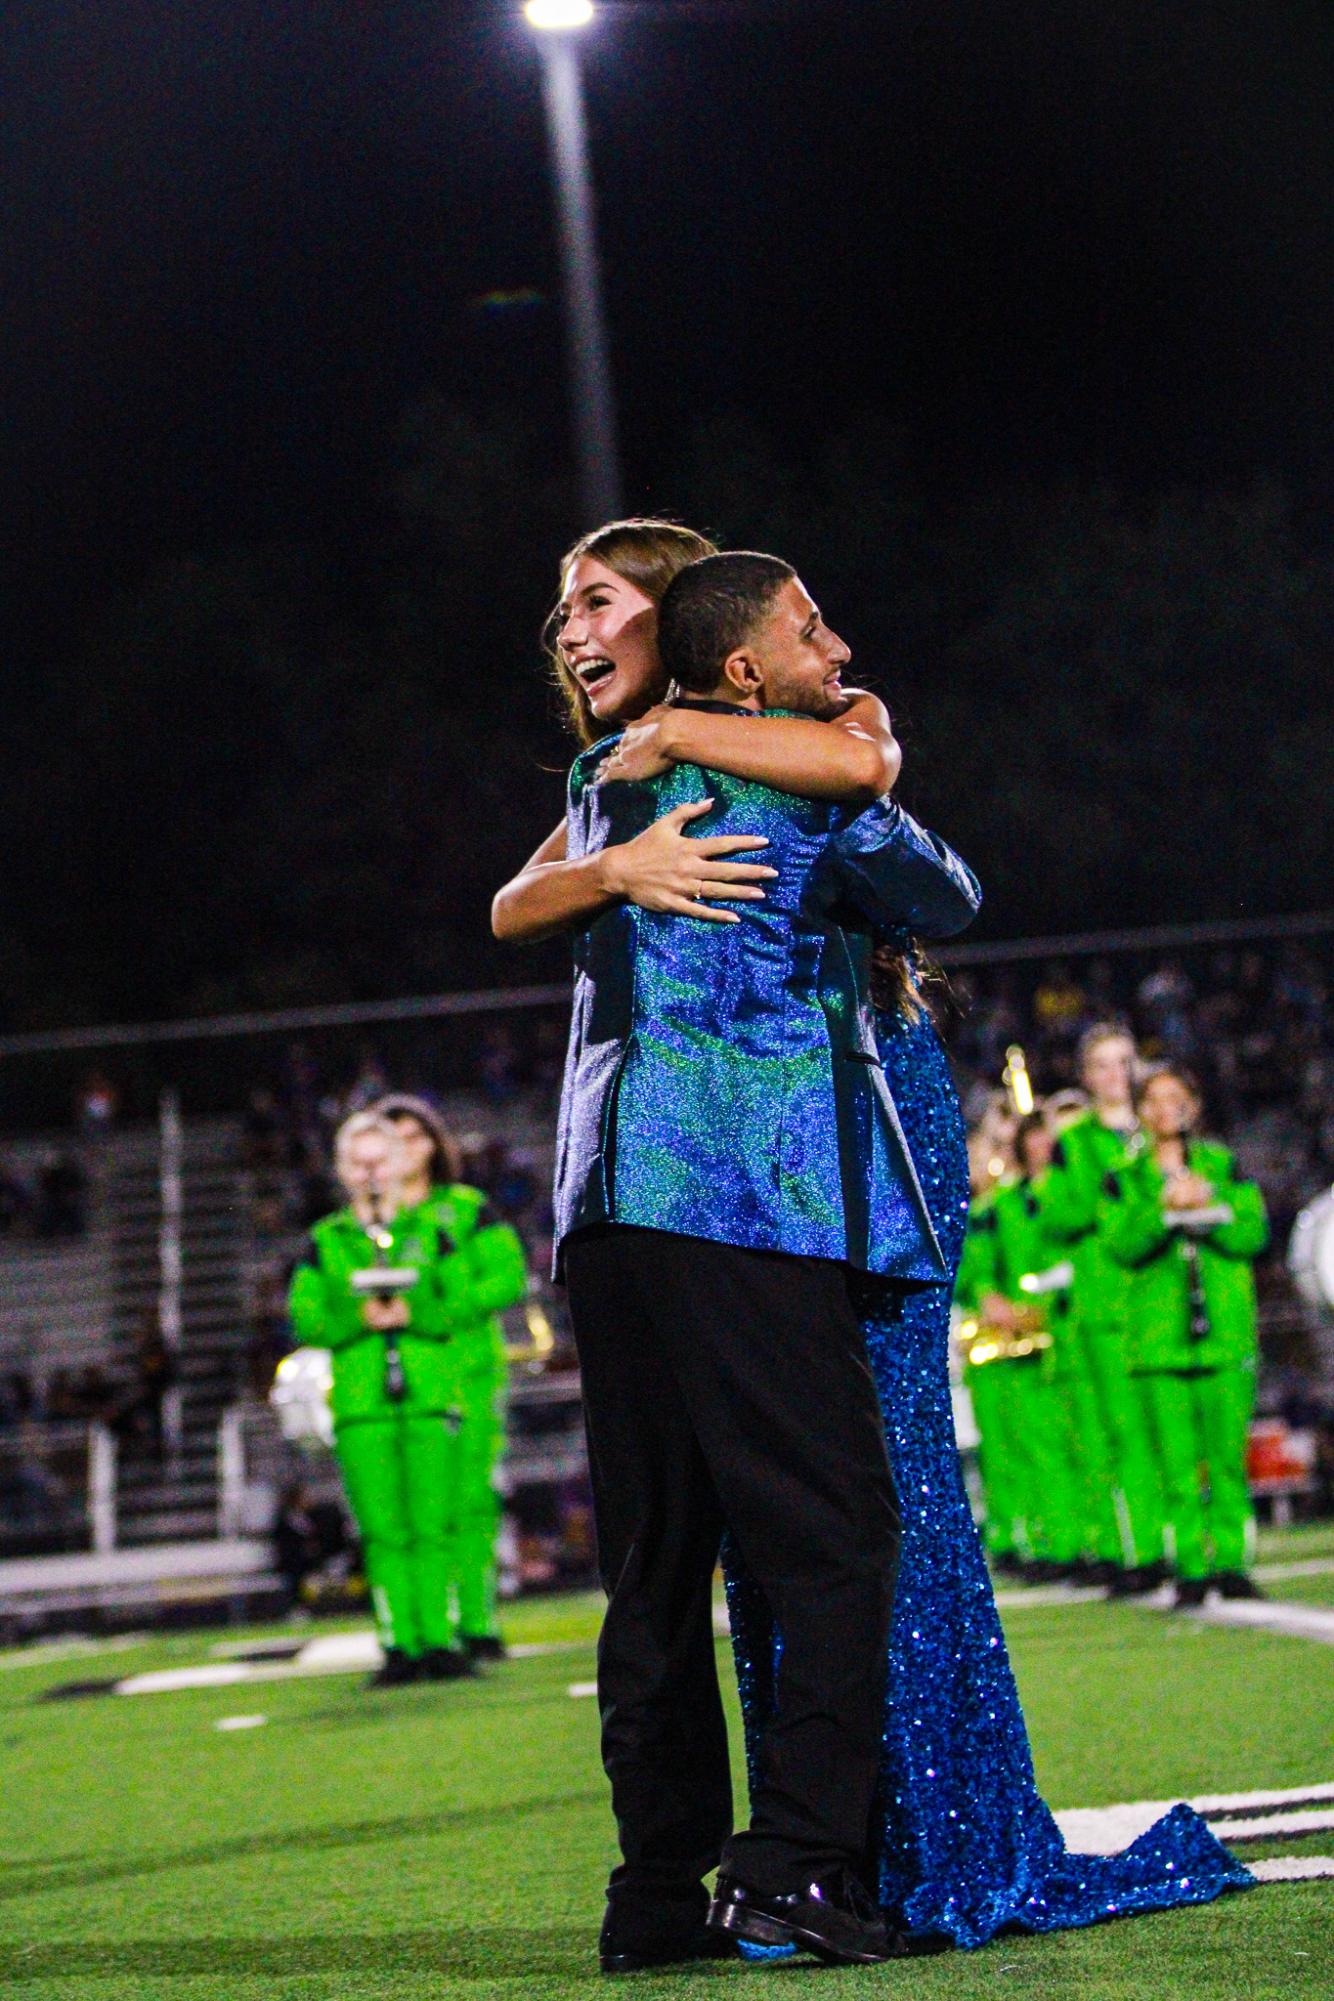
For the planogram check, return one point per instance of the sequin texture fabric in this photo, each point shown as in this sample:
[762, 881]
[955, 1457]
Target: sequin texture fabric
[966, 1844]
[705, 1061]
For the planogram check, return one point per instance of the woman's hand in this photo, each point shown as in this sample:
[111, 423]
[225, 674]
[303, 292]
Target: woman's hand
[385, 1315]
[645, 749]
[1187, 1191]
[665, 869]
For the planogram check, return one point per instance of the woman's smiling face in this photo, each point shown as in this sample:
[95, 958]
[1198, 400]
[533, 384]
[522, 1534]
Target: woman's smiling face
[608, 638]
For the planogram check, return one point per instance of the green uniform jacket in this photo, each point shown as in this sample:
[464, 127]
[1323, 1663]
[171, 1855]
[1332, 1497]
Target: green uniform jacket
[497, 1266]
[974, 1276]
[1068, 1194]
[1022, 1247]
[1008, 1244]
[1158, 1264]
[326, 1313]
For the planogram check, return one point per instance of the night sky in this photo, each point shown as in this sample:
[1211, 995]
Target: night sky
[1007, 319]
[241, 235]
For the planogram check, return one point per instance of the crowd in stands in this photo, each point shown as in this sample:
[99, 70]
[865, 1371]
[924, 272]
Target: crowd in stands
[128, 1400]
[48, 1203]
[1252, 1023]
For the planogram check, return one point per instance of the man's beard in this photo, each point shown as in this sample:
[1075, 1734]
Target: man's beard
[820, 704]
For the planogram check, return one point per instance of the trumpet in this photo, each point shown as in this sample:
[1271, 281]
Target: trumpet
[982, 1341]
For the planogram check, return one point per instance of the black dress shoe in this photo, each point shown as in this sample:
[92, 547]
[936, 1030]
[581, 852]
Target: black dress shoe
[1139, 1582]
[483, 1646]
[1235, 1584]
[1008, 1565]
[396, 1671]
[637, 1954]
[835, 1919]
[1191, 1592]
[446, 1664]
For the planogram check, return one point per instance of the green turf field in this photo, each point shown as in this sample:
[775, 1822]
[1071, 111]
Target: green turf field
[453, 1840]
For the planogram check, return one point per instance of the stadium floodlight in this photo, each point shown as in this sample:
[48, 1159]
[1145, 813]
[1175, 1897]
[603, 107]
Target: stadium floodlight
[592, 402]
[559, 14]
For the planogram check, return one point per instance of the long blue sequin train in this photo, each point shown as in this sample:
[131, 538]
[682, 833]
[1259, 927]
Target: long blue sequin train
[967, 1846]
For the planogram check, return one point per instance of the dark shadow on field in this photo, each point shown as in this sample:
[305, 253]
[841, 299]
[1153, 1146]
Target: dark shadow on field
[33, 1877]
[485, 1952]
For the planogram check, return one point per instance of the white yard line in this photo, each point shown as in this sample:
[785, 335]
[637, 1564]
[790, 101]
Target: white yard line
[1105, 1829]
[1291, 1868]
[1270, 1615]
[1313, 1821]
[71, 1650]
[334, 1653]
[1307, 1566]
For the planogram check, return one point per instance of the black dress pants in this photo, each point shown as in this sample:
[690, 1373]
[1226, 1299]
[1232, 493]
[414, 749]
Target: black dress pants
[730, 1388]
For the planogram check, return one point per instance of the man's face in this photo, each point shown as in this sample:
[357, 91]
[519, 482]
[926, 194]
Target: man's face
[800, 658]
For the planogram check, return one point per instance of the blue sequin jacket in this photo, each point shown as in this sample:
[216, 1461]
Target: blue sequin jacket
[722, 1081]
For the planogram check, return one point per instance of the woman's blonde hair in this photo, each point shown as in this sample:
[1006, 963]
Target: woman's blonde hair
[361, 1123]
[648, 553]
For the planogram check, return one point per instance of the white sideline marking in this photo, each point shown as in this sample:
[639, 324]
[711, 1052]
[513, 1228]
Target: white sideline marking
[1316, 1821]
[1104, 1830]
[1307, 1566]
[581, 1688]
[1270, 1615]
[1048, 1595]
[334, 1653]
[70, 1650]
[1291, 1868]
[1212, 1803]
[239, 1722]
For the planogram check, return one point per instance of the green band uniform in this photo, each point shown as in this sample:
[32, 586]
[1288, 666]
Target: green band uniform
[1121, 1483]
[500, 1280]
[1027, 1453]
[401, 1457]
[1192, 1346]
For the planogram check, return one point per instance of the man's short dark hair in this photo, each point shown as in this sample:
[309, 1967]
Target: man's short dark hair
[710, 608]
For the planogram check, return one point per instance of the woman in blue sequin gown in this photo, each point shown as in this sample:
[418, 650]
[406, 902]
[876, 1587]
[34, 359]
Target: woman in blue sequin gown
[966, 1846]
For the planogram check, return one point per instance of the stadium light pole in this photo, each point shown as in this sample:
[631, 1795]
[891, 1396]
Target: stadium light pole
[593, 404]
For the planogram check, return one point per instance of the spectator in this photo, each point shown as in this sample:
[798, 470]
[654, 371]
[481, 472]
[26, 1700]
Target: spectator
[297, 1549]
[137, 1415]
[15, 1202]
[61, 1209]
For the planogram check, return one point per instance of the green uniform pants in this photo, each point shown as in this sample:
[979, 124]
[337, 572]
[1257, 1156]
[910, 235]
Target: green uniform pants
[401, 1476]
[472, 1555]
[1054, 1503]
[1199, 1421]
[998, 1458]
[1026, 1462]
[1134, 1483]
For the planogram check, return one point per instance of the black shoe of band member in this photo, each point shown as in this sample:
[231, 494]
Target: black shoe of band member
[1191, 1593]
[396, 1670]
[835, 1919]
[1235, 1584]
[1139, 1582]
[446, 1664]
[483, 1646]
